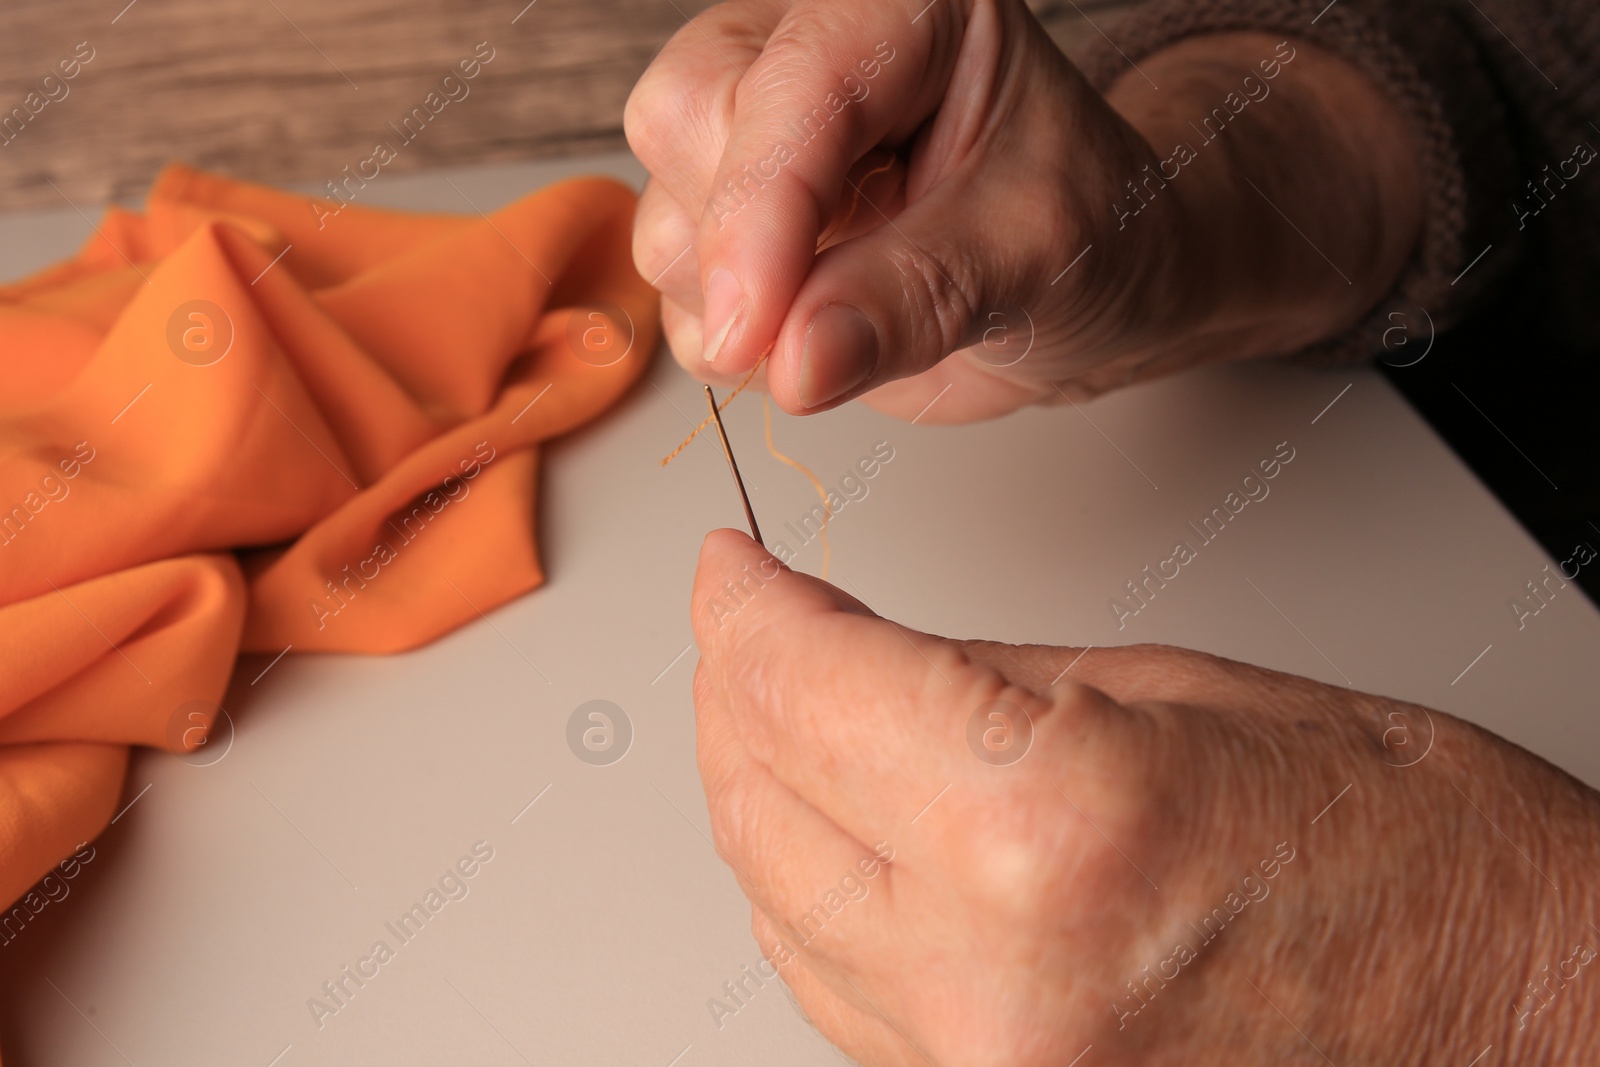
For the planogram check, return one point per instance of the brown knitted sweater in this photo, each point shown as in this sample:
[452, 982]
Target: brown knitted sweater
[1505, 99]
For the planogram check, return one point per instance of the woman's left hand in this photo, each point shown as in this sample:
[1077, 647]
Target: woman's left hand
[967, 853]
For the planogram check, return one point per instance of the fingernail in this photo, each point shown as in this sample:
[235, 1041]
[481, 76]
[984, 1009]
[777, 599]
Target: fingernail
[841, 351]
[724, 308]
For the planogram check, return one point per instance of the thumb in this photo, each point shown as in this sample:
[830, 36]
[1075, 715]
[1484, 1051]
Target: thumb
[895, 301]
[833, 81]
[740, 586]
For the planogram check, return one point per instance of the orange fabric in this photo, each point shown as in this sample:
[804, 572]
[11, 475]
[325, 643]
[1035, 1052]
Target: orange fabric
[336, 452]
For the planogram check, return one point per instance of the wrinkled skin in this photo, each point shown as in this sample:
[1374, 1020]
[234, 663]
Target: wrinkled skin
[1386, 877]
[1342, 878]
[1003, 168]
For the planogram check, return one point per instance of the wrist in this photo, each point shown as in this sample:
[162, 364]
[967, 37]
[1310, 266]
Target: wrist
[1523, 947]
[1297, 196]
[1553, 984]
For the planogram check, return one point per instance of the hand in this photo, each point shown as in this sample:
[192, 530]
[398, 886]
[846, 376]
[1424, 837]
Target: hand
[953, 849]
[765, 125]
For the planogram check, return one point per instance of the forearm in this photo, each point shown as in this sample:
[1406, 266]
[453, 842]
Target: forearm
[1477, 927]
[1297, 188]
[1553, 989]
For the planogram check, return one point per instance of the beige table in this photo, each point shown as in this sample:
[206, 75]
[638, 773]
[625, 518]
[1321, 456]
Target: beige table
[227, 894]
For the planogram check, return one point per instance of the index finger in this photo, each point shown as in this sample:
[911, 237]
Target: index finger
[862, 718]
[834, 80]
[678, 114]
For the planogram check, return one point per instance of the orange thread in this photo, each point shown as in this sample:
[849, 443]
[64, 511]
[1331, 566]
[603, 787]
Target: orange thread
[766, 409]
[855, 201]
[687, 441]
[822, 531]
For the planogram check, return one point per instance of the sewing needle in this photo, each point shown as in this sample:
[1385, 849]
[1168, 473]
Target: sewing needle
[727, 450]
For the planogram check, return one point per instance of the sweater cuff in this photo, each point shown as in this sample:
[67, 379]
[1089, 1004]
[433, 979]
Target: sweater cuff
[1427, 63]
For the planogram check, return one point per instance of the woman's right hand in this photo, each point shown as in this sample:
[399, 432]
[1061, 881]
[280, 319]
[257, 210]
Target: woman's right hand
[1001, 230]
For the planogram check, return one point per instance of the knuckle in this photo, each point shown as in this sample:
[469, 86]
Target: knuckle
[654, 256]
[704, 692]
[644, 115]
[648, 256]
[684, 342]
[1012, 863]
[770, 668]
[761, 930]
[683, 338]
[1040, 850]
[794, 52]
[1038, 841]
[668, 115]
[739, 822]
[1057, 224]
[936, 293]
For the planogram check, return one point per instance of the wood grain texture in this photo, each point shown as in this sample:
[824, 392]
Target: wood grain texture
[294, 90]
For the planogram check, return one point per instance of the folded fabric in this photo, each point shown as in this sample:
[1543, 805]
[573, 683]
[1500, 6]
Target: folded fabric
[240, 422]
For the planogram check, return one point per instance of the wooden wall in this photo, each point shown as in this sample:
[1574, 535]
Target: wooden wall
[293, 90]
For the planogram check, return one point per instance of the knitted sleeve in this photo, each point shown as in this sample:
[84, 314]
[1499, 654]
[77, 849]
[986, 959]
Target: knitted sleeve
[1496, 92]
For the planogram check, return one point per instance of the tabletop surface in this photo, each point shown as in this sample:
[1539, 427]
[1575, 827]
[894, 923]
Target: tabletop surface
[233, 887]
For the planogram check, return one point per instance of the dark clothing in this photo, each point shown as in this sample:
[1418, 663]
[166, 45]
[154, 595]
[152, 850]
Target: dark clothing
[1492, 111]
[1504, 98]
